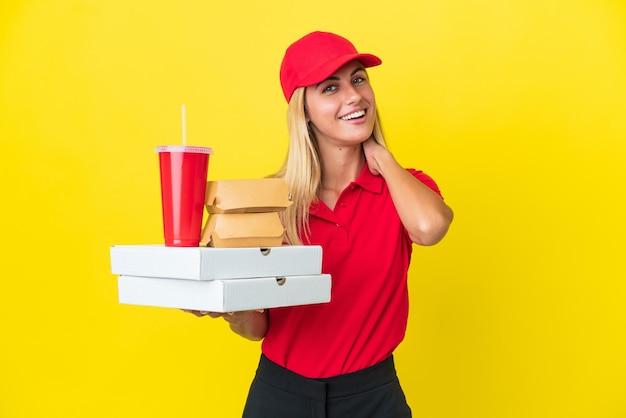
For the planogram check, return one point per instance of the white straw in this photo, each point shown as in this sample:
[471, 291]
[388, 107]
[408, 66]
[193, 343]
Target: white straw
[184, 125]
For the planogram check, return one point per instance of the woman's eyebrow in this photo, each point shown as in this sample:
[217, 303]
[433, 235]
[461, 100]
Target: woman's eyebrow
[356, 70]
[323, 81]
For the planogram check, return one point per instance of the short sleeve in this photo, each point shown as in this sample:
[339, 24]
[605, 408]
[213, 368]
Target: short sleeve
[426, 179]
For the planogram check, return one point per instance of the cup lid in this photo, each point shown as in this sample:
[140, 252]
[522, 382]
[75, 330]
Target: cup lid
[184, 148]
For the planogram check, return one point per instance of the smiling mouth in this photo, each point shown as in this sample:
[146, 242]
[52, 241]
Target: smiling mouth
[354, 115]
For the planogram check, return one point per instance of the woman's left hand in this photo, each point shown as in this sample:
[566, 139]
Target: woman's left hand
[371, 149]
[422, 211]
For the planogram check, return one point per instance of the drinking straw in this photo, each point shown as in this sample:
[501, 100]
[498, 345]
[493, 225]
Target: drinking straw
[184, 125]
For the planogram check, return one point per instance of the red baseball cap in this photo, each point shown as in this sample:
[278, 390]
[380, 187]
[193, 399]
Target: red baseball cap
[315, 57]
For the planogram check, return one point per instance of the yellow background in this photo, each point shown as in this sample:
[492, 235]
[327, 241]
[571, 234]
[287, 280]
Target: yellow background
[517, 108]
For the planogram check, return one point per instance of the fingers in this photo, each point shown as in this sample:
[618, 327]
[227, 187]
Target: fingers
[369, 149]
[225, 315]
[203, 313]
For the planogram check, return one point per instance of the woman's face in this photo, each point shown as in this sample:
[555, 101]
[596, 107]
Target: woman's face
[341, 110]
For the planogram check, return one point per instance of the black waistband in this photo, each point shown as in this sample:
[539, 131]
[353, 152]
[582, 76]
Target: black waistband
[332, 387]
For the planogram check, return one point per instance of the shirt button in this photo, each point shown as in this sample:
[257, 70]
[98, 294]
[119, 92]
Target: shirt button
[338, 225]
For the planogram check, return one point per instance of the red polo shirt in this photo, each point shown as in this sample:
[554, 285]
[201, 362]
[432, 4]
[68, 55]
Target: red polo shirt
[367, 251]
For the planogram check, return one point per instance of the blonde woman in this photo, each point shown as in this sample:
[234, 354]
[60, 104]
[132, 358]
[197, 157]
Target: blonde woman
[366, 211]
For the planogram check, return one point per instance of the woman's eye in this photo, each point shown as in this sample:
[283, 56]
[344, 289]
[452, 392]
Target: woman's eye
[358, 80]
[329, 89]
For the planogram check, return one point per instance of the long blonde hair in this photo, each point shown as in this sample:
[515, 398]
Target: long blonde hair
[302, 169]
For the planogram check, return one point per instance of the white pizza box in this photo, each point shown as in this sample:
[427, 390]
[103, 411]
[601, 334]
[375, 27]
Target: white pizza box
[207, 263]
[225, 295]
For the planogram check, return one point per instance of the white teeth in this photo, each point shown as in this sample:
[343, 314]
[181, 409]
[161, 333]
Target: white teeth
[354, 115]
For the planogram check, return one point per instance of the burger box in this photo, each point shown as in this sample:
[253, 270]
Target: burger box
[247, 196]
[225, 295]
[236, 230]
[206, 263]
[245, 213]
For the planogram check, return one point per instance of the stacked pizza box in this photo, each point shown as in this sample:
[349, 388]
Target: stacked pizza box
[241, 263]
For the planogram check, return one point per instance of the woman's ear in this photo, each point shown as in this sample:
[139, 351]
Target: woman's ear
[306, 114]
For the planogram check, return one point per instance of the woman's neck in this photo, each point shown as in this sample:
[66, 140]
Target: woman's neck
[340, 167]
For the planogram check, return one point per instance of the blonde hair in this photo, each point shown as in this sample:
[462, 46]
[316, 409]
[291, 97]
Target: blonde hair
[302, 169]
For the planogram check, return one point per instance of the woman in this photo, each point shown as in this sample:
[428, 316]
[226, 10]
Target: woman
[365, 210]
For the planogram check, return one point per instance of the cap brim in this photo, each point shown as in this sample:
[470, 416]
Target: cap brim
[327, 69]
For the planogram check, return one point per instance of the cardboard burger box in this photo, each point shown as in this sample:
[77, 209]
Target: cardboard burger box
[247, 196]
[245, 213]
[238, 230]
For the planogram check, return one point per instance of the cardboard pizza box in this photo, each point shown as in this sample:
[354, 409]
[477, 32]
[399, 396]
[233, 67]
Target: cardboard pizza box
[205, 263]
[225, 295]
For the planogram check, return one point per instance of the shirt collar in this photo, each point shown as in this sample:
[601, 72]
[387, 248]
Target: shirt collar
[368, 181]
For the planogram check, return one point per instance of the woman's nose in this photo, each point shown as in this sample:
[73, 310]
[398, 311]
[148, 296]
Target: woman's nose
[351, 94]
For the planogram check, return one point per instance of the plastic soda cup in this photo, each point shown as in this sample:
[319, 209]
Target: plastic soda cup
[184, 172]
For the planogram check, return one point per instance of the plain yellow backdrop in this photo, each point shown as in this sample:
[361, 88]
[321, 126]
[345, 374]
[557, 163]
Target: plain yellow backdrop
[517, 108]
